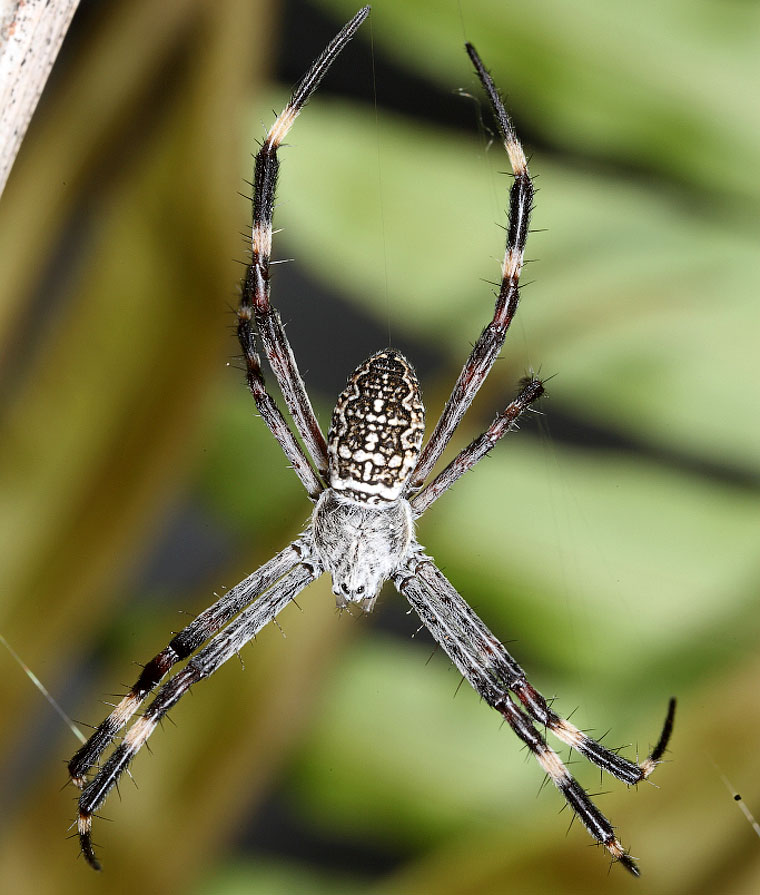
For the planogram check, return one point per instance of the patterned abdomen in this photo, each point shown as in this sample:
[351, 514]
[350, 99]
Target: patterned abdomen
[376, 430]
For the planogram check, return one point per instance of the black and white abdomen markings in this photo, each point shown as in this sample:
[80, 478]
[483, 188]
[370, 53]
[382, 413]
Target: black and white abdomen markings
[376, 431]
[362, 524]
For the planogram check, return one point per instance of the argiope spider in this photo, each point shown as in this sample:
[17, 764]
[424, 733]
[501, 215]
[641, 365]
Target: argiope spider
[367, 480]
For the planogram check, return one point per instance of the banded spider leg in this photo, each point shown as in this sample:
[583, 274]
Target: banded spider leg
[489, 344]
[225, 644]
[255, 298]
[494, 674]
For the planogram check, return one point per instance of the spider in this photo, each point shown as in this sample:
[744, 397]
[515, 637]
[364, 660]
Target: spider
[367, 481]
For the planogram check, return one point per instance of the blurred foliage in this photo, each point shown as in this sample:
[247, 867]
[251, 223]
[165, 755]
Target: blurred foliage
[621, 551]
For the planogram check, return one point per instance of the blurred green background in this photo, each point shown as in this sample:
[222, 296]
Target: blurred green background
[614, 539]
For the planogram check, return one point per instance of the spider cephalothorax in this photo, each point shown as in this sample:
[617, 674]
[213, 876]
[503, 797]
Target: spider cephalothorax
[369, 480]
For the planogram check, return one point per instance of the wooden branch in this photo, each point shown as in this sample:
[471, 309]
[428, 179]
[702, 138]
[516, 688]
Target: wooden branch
[31, 33]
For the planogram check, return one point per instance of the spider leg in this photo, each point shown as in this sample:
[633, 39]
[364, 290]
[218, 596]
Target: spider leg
[270, 413]
[489, 344]
[494, 673]
[255, 295]
[505, 422]
[202, 665]
[480, 643]
[182, 645]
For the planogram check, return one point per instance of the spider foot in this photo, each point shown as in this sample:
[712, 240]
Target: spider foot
[84, 827]
[621, 856]
[655, 756]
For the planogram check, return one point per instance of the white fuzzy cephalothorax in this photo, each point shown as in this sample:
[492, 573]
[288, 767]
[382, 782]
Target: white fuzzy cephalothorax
[360, 545]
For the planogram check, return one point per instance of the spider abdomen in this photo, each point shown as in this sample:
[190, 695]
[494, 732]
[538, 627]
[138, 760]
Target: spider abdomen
[376, 430]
